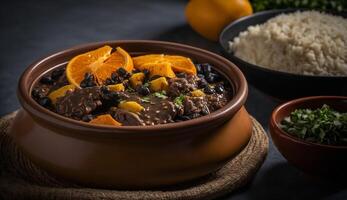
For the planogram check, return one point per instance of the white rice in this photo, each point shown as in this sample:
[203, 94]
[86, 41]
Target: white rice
[310, 43]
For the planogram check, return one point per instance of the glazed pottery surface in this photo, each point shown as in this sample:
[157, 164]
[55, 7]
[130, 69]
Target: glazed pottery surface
[132, 157]
[316, 159]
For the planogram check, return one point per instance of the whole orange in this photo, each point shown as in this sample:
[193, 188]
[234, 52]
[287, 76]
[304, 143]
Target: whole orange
[209, 17]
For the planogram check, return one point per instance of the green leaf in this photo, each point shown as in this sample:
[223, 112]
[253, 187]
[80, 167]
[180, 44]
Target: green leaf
[146, 99]
[146, 84]
[161, 94]
[179, 100]
[129, 89]
[334, 5]
[323, 125]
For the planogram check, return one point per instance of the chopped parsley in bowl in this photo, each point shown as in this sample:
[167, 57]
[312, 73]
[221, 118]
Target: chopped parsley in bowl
[323, 125]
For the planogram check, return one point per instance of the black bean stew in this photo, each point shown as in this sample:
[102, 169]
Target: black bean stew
[135, 99]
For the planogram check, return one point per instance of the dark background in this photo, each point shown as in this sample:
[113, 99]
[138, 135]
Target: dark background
[30, 30]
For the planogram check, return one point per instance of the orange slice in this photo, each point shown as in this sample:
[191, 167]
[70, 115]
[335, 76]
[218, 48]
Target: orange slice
[149, 58]
[119, 58]
[106, 119]
[117, 87]
[178, 63]
[181, 64]
[100, 62]
[60, 92]
[160, 68]
[131, 106]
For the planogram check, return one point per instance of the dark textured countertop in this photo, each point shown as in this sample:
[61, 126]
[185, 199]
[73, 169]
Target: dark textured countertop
[33, 29]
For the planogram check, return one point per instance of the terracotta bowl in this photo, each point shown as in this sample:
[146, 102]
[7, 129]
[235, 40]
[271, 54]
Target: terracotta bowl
[132, 157]
[315, 159]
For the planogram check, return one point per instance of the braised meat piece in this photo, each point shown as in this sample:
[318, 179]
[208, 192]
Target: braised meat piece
[178, 86]
[194, 105]
[75, 104]
[216, 101]
[125, 117]
[159, 111]
[193, 80]
[49, 83]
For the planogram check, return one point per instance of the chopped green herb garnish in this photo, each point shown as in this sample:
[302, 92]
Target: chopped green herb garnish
[146, 84]
[161, 94]
[323, 125]
[129, 89]
[179, 100]
[146, 99]
[331, 5]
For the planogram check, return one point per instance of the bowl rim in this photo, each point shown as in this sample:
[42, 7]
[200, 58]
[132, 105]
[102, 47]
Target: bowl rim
[35, 109]
[227, 51]
[274, 125]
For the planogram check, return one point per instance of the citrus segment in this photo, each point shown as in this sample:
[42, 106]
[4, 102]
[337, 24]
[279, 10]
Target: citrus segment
[117, 59]
[81, 64]
[106, 119]
[128, 61]
[160, 69]
[137, 79]
[178, 63]
[60, 92]
[100, 62]
[131, 106]
[181, 64]
[159, 84]
[150, 58]
[117, 87]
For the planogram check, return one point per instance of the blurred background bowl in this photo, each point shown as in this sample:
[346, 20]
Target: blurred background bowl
[281, 85]
[313, 158]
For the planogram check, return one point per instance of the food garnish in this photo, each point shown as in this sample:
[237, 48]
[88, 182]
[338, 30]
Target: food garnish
[145, 99]
[179, 100]
[105, 120]
[169, 63]
[131, 106]
[336, 5]
[323, 125]
[100, 63]
[161, 94]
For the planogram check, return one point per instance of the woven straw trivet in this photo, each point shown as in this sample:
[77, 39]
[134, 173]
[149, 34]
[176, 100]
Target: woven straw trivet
[21, 179]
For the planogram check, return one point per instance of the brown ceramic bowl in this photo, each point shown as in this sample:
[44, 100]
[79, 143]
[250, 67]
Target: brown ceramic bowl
[131, 157]
[313, 158]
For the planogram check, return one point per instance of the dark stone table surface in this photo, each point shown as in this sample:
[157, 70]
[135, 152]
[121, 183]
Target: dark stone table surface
[32, 29]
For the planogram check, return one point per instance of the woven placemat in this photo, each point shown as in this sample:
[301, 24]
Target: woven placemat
[21, 179]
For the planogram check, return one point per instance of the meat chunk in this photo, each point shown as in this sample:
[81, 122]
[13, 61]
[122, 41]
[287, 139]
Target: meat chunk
[216, 101]
[189, 106]
[193, 80]
[75, 104]
[42, 90]
[195, 105]
[178, 86]
[158, 112]
[126, 118]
